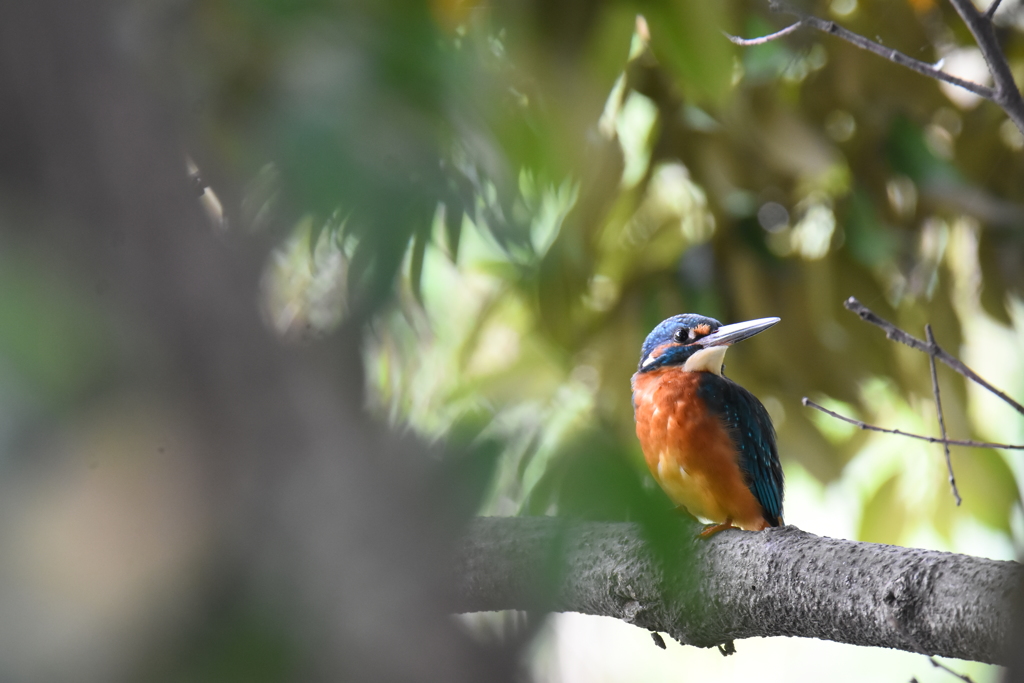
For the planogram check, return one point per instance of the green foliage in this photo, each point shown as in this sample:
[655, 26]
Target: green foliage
[988, 487]
[684, 39]
[520, 192]
[244, 644]
[55, 345]
[884, 515]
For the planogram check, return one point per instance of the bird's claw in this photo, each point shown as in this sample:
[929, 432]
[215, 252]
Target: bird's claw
[712, 529]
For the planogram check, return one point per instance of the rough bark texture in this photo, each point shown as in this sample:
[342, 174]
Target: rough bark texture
[779, 582]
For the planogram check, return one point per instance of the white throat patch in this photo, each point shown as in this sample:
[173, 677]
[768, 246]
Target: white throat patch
[707, 360]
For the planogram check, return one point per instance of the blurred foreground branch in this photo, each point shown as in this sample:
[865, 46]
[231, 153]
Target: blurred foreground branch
[781, 582]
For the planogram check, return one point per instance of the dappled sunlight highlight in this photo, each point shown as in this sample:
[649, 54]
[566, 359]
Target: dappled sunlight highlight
[304, 284]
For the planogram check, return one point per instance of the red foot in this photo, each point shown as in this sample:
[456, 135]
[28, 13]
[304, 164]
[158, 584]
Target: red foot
[712, 529]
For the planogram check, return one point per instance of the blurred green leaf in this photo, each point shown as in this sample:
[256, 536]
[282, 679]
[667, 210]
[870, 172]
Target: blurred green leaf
[453, 219]
[467, 473]
[589, 478]
[1002, 277]
[870, 242]
[687, 36]
[420, 240]
[909, 154]
[987, 486]
[241, 646]
[884, 515]
[52, 336]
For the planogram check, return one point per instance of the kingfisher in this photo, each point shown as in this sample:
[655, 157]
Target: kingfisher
[709, 442]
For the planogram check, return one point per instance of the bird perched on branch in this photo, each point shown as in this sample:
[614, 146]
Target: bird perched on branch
[709, 442]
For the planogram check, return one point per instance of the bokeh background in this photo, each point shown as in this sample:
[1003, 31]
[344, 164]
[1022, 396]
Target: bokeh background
[494, 203]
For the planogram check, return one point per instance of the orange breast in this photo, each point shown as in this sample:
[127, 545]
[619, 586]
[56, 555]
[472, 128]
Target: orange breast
[689, 451]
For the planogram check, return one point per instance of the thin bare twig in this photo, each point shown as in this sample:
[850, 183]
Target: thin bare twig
[967, 443]
[892, 55]
[896, 334]
[938, 409]
[1005, 93]
[747, 42]
[991, 11]
[939, 665]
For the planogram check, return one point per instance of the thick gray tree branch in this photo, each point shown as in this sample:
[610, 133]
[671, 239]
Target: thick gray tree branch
[780, 582]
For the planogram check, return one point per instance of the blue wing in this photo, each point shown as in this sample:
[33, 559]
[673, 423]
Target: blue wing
[754, 435]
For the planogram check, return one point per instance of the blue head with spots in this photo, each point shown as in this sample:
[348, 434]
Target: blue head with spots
[673, 341]
[679, 340]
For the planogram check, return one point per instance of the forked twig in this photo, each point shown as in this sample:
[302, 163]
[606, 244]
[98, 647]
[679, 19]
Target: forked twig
[1005, 93]
[938, 409]
[967, 443]
[934, 351]
[895, 56]
[896, 334]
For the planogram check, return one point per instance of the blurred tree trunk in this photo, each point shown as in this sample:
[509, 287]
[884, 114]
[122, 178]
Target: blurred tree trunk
[313, 510]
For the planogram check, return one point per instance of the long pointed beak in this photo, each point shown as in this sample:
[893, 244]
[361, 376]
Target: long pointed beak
[730, 334]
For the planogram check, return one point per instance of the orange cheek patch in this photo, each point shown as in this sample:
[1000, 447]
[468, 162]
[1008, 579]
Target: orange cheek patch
[658, 350]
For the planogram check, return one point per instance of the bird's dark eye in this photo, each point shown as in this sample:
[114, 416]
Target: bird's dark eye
[680, 335]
